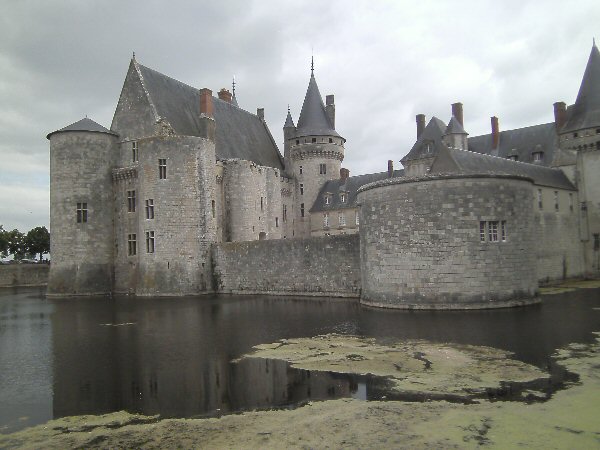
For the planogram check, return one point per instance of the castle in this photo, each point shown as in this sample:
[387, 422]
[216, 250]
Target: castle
[165, 202]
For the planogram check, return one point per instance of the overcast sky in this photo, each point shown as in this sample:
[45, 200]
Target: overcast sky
[384, 61]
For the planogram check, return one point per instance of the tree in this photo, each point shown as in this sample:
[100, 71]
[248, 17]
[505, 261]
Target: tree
[16, 244]
[37, 241]
[3, 243]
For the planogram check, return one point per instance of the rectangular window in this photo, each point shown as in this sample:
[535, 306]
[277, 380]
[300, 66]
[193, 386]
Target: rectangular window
[150, 208]
[134, 151]
[540, 203]
[323, 169]
[300, 168]
[356, 219]
[343, 197]
[342, 219]
[482, 231]
[262, 205]
[314, 140]
[131, 244]
[571, 202]
[130, 201]
[325, 220]
[162, 169]
[301, 189]
[327, 199]
[493, 231]
[284, 213]
[301, 209]
[276, 222]
[503, 230]
[556, 201]
[538, 156]
[331, 140]
[149, 241]
[213, 208]
[82, 212]
[596, 241]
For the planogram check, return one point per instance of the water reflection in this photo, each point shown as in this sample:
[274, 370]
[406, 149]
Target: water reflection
[173, 357]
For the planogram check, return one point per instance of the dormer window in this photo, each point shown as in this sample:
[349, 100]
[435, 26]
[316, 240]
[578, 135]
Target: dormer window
[537, 156]
[343, 197]
[331, 139]
[514, 157]
[575, 135]
[297, 141]
[314, 140]
[327, 199]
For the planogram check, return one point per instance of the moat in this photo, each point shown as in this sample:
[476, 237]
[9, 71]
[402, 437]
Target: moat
[178, 357]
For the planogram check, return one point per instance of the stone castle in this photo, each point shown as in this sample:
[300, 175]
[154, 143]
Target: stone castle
[187, 193]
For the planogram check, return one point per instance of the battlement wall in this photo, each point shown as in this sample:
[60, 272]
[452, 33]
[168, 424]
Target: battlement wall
[320, 266]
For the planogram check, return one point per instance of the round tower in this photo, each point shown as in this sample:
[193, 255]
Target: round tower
[81, 209]
[315, 152]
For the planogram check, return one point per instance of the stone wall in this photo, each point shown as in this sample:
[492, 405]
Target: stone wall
[421, 245]
[321, 266]
[24, 274]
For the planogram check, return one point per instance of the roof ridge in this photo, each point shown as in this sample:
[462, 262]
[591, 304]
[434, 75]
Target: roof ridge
[515, 129]
[502, 158]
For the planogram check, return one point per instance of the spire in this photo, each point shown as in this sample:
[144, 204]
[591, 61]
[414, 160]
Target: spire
[289, 122]
[312, 66]
[313, 118]
[233, 98]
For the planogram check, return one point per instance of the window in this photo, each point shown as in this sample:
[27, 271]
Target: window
[514, 157]
[314, 140]
[571, 202]
[130, 201]
[356, 219]
[537, 156]
[492, 231]
[134, 151]
[300, 168]
[331, 140]
[327, 199]
[162, 169]
[326, 220]
[575, 135]
[301, 209]
[150, 208]
[301, 188]
[540, 203]
[596, 241]
[276, 222]
[323, 169]
[284, 213]
[149, 241]
[82, 212]
[131, 244]
[262, 204]
[556, 208]
[213, 208]
[343, 197]
[597, 130]
[342, 219]
[297, 141]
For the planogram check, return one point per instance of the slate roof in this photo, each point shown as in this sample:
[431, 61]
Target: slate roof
[585, 113]
[239, 134]
[289, 122]
[83, 125]
[432, 136]
[522, 142]
[313, 120]
[454, 127]
[351, 185]
[467, 162]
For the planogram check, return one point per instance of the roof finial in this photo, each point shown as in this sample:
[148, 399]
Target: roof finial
[288, 108]
[594, 41]
[233, 86]
[133, 57]
[312, 62]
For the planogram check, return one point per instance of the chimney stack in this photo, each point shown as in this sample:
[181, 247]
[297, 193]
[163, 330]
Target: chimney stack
[390, 168]
[260, 112]
[457, 111]
[225, 95]
[330, 109]
[495, 132]
[206, 103]
[344, 174]
[560, 115]
[420, 124]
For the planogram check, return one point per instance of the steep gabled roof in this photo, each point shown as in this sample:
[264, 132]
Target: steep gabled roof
[313, 120]
[429, 143]
[239, 134]
[585, 113]
[335, 187]
[452, 160]
[84, 124]
[522, 142]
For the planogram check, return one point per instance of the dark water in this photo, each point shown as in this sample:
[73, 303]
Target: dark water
[173, 356]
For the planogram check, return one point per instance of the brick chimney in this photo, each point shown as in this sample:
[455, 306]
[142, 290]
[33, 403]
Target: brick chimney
[225, 95]
[260, 112]
[206, 103]
[330, 109]
[560, 115]
[420, 124]
[457, 111]
[495, 132]
[344, 174]
[390, 168]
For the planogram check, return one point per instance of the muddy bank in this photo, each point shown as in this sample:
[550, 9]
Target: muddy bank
[567, 420]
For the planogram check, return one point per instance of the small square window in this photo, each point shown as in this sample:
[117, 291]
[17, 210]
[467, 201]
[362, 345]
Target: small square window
[314, 140]
[537, 156]
[331, 140]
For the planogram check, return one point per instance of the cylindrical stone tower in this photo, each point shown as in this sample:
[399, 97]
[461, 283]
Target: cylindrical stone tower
[81, 218]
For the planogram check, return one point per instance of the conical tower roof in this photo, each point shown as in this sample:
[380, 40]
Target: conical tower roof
[313, 120]
[585, 113]
[84, 124]
[289, 122]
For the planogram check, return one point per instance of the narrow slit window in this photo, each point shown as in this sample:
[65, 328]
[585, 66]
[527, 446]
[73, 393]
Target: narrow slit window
[301, 188]
[540, 202]
[503, 230]
[482, 231]
[162, 168]
[134, 151]
[301, 209]
[556, 206]
[325, 220]
[356, 218]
